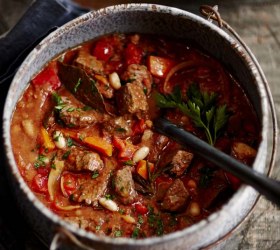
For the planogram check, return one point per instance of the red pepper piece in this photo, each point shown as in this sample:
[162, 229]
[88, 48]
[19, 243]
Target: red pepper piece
[133, 54]
[141, 209]
[40, 183]
[48, 76]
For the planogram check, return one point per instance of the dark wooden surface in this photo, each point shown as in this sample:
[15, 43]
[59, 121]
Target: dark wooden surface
[258, 23]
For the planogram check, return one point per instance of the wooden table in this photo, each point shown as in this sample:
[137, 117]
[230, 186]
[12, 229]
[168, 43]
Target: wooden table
[258, 23]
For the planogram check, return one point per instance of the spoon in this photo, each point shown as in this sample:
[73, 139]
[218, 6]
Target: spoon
[266, 186]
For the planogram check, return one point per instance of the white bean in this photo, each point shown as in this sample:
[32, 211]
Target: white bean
[147, 135]
[59, 140]
[141, 154]
[115, 81]
[129, 219]
[28, 127]
[109, 204]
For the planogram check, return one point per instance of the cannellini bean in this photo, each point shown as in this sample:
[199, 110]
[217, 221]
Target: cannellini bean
[109, 204]
[147, 135]
[129, 219]
[115, 81]
[141, 154]
[28, 127]
[59, 140]
[194, 209]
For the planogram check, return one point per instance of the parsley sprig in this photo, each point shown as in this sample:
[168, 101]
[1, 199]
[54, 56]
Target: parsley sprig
[200, 106]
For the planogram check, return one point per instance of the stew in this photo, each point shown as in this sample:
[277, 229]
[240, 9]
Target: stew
[83, 136]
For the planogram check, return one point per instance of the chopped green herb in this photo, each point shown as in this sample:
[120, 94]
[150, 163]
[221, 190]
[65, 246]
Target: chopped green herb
[57, 98]
[95, 175]
[140, 219]
[145, 90]
[71, 109]
[66, 155]
[53, 166]
[129, 163]
[120, 129]
[86, 108]
[97, 228]
[135, 233]
[118, 233]
[77, 85]
[200, 107]
[121, 211]
[41, 161]
[69, 142]
[109, 196]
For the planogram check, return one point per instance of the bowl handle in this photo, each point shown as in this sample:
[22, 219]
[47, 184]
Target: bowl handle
[212, 14]
[62, 236]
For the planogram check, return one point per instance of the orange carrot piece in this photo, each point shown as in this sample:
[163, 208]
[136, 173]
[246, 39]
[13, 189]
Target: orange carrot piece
[47, 141]
[99, 144]
[142, 169]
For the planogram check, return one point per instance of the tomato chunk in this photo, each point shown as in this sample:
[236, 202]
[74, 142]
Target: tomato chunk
[141, 209]
[40, 183]
[159, 66]
[103, 50]
[69, 183]
[139, 127]
[126, 149]
[48, 76]
[133, 54]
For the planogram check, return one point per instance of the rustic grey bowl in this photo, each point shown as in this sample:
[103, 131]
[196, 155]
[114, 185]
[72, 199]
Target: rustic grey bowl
[154, 19]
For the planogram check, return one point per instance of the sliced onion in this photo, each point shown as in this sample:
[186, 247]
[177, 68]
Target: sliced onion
[177, 67]
[53, 177]
[62, 187]
[67, 208]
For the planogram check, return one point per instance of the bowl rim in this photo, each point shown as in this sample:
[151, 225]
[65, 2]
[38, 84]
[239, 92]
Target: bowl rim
[89, 17]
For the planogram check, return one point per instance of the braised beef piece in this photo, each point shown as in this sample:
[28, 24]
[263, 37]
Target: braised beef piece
[120, 126]
[90, 190]
[124, 185]
[138, 73]
[156, 143]
[180, 162]
[131, 99]
[79, 160]
[74, 117]
[176, 197]
[88, 62]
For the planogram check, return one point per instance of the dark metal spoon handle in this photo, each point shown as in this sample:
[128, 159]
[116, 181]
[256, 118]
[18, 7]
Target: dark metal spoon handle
[264, 185]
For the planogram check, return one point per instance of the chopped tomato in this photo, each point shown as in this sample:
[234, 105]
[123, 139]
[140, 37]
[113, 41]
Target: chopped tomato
[159, 66]
[234, 181]
[40, 183]
[69, 183]
[126, 149]
[141, 209]
[48, 76]
[43, 170]
[103, 50]
[133, 54]
[139, 127]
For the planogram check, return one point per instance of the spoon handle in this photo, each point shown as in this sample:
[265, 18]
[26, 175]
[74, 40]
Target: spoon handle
[264, 185]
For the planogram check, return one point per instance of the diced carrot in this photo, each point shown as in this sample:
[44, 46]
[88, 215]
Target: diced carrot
[159, 66]
[47, 141]
[102, 79]
[70, 133]
[99, 144]
[142, 168]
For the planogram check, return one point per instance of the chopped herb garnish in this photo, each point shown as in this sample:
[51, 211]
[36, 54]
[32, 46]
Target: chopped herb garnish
[145, 90]
[135, 233]
[95, 175]
[57, 98]
[109, 196]
[53, 166]
[71, 109]
[201, 107]
[128, 163]
[66, 155]
[86, 108]
[121, 211]
[41, 161]
[140, 219]
[77, 85]
[118, 233]
[120, 129]
[97, 228]
[70, 142]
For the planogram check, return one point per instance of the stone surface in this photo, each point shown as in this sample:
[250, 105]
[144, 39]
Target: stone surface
[258, 23]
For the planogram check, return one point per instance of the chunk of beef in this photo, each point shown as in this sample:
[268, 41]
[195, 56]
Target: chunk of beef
[176, 197]
[75, 117]
[88, 62]
[243, 152]
[90, 190]
[124, 185]
[138, 73]
[180, 162]
[132, 99]
[79, 160]
[156, 143]
[120, 126]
